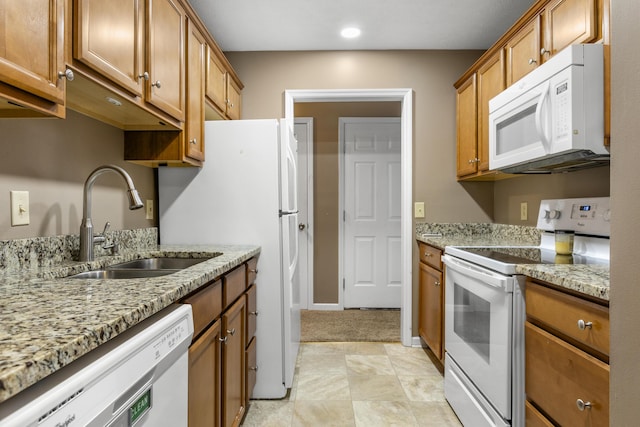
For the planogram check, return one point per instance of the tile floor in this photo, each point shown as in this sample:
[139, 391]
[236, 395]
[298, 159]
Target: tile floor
[359, 384]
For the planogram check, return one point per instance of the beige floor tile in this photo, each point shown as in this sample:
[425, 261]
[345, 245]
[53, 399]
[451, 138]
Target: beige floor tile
[322, 348]
[323, 387]
[364, 348]
[323, 413]
[383, 414]
[269, 413]
[422, 388]
[434, 414]
[376, 387]
[369, 365]
[414, 364]
[322, 363]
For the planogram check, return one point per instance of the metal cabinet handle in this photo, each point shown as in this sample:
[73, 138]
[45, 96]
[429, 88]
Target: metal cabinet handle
[254, 271]
[253, 368]
[436, 283]
[193, 141]
[427, 254]
[66, 74]
[582, 405]
[223, 339]
[231, 331]
[532, 61]
[253, 313]
[544, 51]
[582, 325]
[157, 84]
[144, 76]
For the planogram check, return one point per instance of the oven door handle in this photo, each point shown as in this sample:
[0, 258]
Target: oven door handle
[483, 275]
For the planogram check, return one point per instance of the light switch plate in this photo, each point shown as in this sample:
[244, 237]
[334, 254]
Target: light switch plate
[149, 207]
[418, 209]
[523, 211]
[19, 208]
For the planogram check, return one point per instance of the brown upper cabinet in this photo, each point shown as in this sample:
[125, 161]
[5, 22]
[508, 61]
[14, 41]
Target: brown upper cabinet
[196, 54]
[545, 29]
[31, 58]
[223, 91]
[140, 47]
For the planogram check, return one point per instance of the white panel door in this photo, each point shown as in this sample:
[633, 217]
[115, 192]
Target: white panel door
[372, 187]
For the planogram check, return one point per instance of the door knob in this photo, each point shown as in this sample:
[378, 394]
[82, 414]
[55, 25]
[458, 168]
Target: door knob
[301, 226]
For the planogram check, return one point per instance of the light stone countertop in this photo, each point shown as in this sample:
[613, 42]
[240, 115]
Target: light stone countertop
[590, 280]
[47, 321]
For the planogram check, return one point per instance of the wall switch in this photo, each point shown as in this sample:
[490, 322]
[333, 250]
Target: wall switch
[19, 208]
[523, 211]
[418, 209]
[149, 206]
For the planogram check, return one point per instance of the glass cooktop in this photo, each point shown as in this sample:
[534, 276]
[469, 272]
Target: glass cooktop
[529, 255]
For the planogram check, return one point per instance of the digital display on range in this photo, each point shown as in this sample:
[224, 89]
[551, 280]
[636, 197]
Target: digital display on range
[583, 212]
[585, 208]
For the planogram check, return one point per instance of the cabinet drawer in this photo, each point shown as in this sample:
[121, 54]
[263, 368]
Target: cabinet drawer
[252, 368]
[252, 271]
[533, 418]
[206, 306]
[559, 374]
[235, 283]
[431, 256]
[252, 312]
[563, 312]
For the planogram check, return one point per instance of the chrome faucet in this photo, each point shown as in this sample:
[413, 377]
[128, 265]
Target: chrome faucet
[87, 239]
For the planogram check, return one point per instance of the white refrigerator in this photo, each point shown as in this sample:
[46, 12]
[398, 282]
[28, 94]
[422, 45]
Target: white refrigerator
[246, 193]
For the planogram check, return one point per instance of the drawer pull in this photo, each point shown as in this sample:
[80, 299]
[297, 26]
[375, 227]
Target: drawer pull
[231, 332]
[427, 254]
[582, 325]
[224, 339]
[254, 271]
[582, 405]
[253, 313]
[436, 283]
[253, 368]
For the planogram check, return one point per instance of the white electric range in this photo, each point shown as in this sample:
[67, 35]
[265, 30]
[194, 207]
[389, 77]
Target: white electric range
[485, 309]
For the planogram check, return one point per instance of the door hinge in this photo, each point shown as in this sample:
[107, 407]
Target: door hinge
[344, 216]
[344, 285]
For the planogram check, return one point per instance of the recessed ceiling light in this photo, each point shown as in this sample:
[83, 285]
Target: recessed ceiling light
[350, 33]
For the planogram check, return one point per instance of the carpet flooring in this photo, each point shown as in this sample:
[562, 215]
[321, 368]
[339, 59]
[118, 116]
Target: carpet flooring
[350, 325]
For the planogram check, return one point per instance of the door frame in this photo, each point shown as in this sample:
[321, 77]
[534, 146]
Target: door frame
[342, 121]
[305, 267]
[405, 97]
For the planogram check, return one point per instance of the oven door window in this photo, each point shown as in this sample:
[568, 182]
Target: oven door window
[472, 321]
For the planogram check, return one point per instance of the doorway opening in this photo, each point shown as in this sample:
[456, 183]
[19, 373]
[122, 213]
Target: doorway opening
[405, 100]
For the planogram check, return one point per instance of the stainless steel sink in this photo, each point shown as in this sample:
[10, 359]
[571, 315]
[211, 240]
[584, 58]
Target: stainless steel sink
[141, 268]
[121, 274]
[159, 263]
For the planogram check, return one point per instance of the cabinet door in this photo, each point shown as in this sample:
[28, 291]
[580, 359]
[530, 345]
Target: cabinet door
[233, 99]
[569, 22]
[233, 364]
[216, 81]
[430, 305]
[196, 55]
[205, 378]
[32, 47]
[491, 82]
[165, 56]
[252, 369]
[523, 51]
[467, 127]
[109, 38]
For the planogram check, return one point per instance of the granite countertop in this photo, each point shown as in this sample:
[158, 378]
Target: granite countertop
[590, 280]
[47, 320]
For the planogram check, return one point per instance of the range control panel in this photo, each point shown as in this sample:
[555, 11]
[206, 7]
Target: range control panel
[591, 216]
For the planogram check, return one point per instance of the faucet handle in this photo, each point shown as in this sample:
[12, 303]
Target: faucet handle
[100, 237]
[107, 225]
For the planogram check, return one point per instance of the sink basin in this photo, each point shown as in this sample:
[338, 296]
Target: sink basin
[121, 274]
[159, 263]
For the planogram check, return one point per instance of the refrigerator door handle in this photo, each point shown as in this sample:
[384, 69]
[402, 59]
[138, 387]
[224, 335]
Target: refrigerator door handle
[283, 213]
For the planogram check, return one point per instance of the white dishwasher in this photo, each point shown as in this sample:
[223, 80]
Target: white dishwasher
[139, 378]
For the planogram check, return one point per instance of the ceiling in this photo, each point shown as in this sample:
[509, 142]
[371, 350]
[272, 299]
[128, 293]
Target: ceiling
[275, 25]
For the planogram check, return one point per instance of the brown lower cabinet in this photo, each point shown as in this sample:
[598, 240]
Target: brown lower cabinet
[219, 356]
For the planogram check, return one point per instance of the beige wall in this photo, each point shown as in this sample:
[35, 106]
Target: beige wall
[51, 158]
[625, 199]
[326, 189]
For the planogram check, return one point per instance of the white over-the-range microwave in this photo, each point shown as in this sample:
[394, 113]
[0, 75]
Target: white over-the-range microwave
[552, 120]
